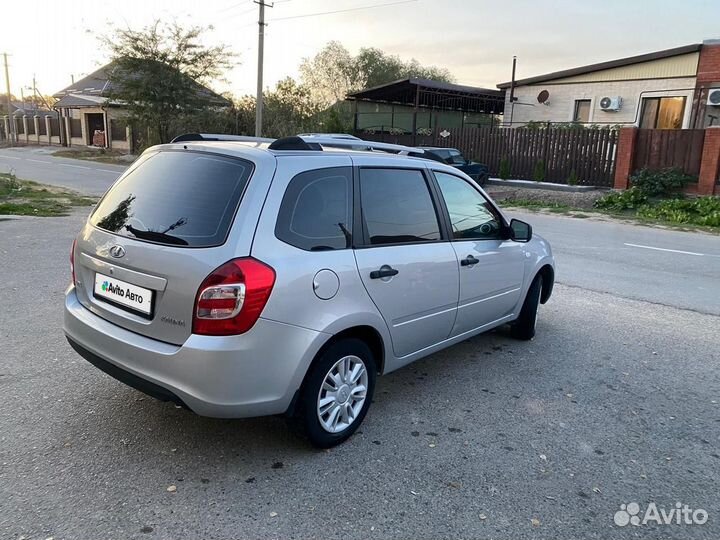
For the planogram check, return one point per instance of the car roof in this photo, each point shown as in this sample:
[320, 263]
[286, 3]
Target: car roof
[260, 154]
[257, 149]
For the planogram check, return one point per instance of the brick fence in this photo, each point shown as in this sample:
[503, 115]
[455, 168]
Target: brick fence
[708, 177]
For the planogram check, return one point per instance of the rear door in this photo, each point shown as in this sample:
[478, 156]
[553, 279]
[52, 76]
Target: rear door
[155, 236]
[407, 267]
[491, 268]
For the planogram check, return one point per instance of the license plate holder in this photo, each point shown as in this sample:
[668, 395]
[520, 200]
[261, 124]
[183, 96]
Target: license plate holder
[124, 295]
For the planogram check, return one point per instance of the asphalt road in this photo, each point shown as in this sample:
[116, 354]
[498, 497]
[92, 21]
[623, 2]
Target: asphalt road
[669, 267]
[617, 400]
[664, 266]
[38, 164]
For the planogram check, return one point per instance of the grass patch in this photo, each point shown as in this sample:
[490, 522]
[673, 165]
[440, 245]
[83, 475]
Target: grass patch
[26, 198]
[528, 204]
[669, 209]
[98, 156]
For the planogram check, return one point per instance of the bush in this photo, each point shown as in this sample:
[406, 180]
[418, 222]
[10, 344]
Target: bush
[573, 178]
[504, 172]
[539, 171]
[8, 183]
[699, 211]
[617, 201]
[660, 183]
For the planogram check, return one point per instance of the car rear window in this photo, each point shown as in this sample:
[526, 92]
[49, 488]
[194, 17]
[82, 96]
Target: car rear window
[176, 198]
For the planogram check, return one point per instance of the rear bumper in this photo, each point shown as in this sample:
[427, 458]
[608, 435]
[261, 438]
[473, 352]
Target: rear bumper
[254, 374]
[138, 383]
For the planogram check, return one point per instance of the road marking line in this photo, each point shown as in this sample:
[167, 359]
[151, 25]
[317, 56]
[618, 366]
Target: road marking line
[76, 166]
[109, 170]
[9, 157]
[664, 249]
[38, 160]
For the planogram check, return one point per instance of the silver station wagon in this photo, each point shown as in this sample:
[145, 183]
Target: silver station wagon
[243, 277]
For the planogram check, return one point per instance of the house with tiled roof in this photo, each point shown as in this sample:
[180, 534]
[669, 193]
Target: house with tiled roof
[94, 119]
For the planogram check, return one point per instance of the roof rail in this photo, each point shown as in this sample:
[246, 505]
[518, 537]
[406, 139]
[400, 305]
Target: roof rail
[361, 144]
[333, 135]
[219, 137]
[315, 141]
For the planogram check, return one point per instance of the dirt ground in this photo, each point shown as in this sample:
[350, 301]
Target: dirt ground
[584, 199]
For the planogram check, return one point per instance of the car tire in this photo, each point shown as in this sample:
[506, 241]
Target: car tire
[524, 326]
[329, 417]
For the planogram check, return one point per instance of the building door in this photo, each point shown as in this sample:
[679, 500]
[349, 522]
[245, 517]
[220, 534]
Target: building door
[95, 122]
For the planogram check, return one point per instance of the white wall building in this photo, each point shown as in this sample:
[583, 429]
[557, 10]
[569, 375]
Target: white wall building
[656, 90]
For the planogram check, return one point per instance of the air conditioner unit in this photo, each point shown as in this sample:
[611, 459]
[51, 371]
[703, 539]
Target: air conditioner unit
[714, 97]
[611, 103]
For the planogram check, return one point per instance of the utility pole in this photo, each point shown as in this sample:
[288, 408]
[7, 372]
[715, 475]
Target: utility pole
[513, 99]
[261, 47]
[11, 134]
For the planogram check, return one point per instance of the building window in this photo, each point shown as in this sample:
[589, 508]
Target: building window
[582, 110]
[662, 113]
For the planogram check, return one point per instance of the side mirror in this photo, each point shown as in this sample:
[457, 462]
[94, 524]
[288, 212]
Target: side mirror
[520, 231]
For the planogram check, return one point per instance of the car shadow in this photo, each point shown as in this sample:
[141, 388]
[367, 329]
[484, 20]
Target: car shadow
[122, 420]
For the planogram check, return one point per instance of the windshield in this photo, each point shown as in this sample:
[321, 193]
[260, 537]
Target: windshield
[454, 156]
[450, 155]
[175, 198]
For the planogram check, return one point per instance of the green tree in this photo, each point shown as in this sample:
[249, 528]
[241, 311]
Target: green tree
[158, 71]
[329, 75]
[289, 109]
[333, 72]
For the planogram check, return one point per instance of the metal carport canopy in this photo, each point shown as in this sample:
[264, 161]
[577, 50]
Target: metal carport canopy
[435, 95]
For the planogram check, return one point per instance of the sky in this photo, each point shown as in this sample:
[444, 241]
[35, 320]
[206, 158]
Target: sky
[474, 39]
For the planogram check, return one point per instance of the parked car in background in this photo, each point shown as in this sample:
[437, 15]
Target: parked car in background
[242, 278]
[452, 156]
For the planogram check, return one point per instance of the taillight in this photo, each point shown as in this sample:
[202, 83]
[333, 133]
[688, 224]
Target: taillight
[232, 297]
[72, 261]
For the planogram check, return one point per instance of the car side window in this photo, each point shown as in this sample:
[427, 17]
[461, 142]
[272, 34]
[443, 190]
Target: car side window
[316, 210]
[471, 215]
[397, 207]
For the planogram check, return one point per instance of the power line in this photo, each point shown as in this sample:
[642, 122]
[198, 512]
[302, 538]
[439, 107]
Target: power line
[343, 10]
[236, 15]
[230, 8]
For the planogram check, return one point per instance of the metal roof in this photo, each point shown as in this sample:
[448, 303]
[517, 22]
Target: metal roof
[98, 84]
[435, 95]
[582, 70]
[80, 100]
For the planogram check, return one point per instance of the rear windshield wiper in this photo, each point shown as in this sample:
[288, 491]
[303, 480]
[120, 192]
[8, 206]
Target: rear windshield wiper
[153, 236]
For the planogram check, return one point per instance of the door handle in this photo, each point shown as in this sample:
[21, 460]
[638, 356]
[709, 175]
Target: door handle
[469, 261]
[385, 271]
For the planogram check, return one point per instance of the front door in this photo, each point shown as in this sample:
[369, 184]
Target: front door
[408, 269]
[95, 122]
[491, 268]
